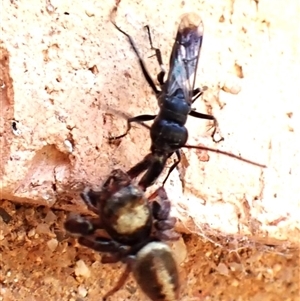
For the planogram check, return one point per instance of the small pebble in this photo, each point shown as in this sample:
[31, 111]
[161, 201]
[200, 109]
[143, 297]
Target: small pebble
[68, 145]
[82, 291]
[43, 229]
[31, 232]
[235, 267]
[232, 85]
[179, 250]
[277, 267]
[89, 10]
[52, 244]
[222, 269]
[50, 217]
[50, 8]
[82, 269]
[233, 89]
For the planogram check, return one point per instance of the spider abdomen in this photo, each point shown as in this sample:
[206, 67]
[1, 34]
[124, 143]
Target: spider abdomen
[155, 270]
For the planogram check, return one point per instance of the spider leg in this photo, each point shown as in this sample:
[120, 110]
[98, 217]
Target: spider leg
[119, 284]
[161, 208]
[78, 225]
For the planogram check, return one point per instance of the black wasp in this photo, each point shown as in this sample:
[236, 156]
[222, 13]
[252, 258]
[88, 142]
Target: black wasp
[168, 132]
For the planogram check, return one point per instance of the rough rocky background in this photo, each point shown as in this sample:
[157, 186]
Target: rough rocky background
[65, 72]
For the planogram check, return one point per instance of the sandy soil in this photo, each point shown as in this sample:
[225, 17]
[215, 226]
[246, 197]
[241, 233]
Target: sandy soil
[39, 262]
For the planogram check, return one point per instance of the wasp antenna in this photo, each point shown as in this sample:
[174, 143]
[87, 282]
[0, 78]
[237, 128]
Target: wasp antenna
[226, 154]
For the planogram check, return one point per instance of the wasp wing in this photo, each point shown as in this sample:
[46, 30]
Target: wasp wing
[184, 57]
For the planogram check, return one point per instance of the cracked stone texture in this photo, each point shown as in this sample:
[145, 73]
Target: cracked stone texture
[67, 76]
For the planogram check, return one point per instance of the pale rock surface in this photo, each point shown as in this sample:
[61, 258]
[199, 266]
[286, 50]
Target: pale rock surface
[65, 70]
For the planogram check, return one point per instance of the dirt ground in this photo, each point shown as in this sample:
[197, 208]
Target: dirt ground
[39, 262]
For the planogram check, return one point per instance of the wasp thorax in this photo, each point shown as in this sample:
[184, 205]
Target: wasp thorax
[155, 271]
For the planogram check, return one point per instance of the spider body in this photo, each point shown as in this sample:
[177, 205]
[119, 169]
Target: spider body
[135, 226]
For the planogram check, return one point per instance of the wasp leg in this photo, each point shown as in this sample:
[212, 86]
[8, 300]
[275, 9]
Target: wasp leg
[196, 94]
[137, 169]
[156, 164]
[137, 119]
[141, 62]
[203, 116]
[208, 117]
[161, 74]
[173, 165]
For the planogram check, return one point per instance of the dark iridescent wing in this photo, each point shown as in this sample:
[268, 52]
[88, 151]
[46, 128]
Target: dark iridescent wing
[185, 55]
